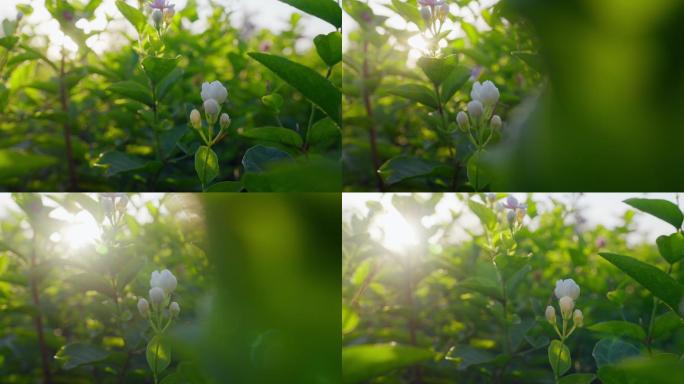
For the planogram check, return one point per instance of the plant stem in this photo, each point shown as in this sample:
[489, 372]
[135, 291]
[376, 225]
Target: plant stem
[154, 127]
[369, 112]
[38, 318]
[64, 100]
[412, 320]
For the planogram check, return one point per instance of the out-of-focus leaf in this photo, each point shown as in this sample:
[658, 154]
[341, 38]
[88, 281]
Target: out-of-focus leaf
[415, 92]
[119, 162]
[279, 135]
[17, 163]
[79, 354]
[466, 356]
[612, 351]
[158, 354]
[403, 168]
[226, 186]
[577, 378]
[132, 90]
[662, 209]
[619, 328]
[260, 158]
[157, 68]
[133, 15]
[362, 362]
[326, 10]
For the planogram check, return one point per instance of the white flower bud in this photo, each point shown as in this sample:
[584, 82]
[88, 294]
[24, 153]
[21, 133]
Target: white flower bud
[157, 17]
[426, 14]
[442, 11]
[211, 109]
[156, 295]
[164, 280]
[143, 307]
[214, 90]
[225, 121]
[550, 314]
[578, 318]
[567, 287]
[496, 122]
[463, 120]
[566, 304]
[168, 14]
[488, 94]
[475, 109]
[195, 119]
[174, 309]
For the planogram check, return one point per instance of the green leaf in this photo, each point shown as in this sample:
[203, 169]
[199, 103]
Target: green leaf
[324, 134]
[671, 247]
[402, 168]
[559, 357]
[78, 354]
[363, 362]
[310, 83]
[484, 286]
[409, 12]
[118, 162]
[157, 68]
[168, 82]
[17, 163]
[133, 15]
[662, 209]
[438, 69]
[329, 47]
[659, 283]
[169, 140]
[612, 350]
[259, 158]
[456, 80]
[206, 165]
[665, 324]
[158, 354]
[415, 92]
[484, 213]
[326, 10]
[8, 42]
[479, 175]
[226, 186]
[577, 378]
[619, 328]
[279, 135]
[350, 320]
[132, 90]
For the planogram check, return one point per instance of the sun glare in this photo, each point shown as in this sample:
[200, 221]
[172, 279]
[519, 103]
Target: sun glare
[394, 232]
[82, 230]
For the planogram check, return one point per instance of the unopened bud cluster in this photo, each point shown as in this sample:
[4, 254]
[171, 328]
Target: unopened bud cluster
[160, 310]
[515, 211]
[213, 96]
[567, 292]
[434, 13]
[162, 13]
[114, 206]
[479, 122]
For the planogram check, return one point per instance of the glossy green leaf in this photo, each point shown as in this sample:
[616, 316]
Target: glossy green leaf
[329, 47]
[133, 15]
[167, 83]
[158, 354]
[438, 69]
[260, 158]
[559, 357]
[79, 354]
[326, 10]
[206, 165]
[662, 209]
[458, 77]
[619, 328]
[362, 362]
[671, 247]
[118, 162]
[659, 283]
[157, 68]
[132, 90]
[415, 92]
[402, 168]
[612, 351]
[310, 83]
[279, 135]
[324, 134]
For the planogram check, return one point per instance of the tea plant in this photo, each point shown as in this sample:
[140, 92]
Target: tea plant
[126, 114]
[484, 308]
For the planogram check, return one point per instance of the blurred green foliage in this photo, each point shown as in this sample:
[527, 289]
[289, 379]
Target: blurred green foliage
[466, 303]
